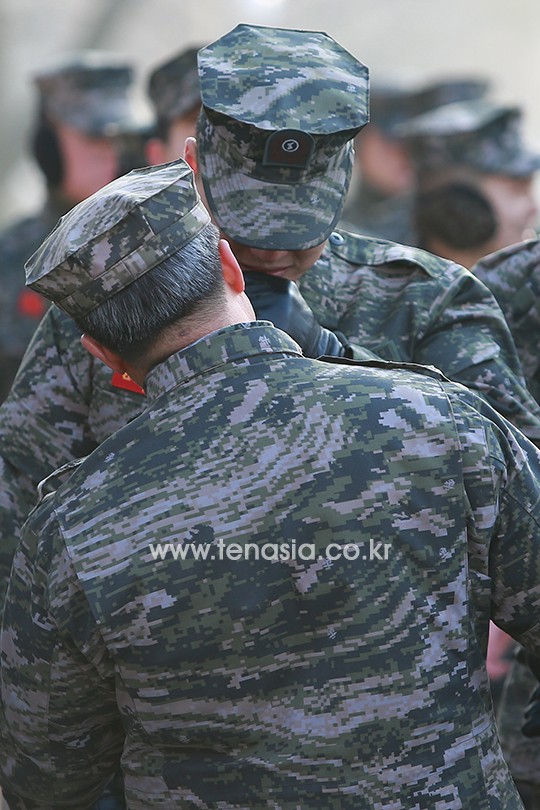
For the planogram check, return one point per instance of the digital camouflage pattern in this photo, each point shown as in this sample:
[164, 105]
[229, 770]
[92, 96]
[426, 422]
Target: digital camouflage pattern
[408, 305]
[521, 753]
[400, 303]
[173, 87]
[294, 683]
[273, 172]
[117, 235]
[513, 276]
[91, 91]
[480, 134]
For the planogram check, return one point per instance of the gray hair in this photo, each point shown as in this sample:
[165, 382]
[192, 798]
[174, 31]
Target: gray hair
[129, 322]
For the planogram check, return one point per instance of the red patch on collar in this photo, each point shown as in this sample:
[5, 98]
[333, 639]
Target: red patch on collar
[124, 381]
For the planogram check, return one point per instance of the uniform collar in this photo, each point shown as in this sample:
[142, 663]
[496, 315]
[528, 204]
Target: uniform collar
[242, 341]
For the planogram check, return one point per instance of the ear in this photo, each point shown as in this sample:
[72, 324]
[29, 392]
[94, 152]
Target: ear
[231, 269]
[190, 154]
[108, 357]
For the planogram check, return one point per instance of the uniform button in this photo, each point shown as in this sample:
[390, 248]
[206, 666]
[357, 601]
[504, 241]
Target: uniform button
[336, 238]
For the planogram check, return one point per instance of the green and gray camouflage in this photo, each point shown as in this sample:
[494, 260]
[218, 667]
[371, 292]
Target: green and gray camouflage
[480, 134]
[274, 676]
[513, 276]
[275, 173]
[91, 91]
[115, 236]
[173, 87]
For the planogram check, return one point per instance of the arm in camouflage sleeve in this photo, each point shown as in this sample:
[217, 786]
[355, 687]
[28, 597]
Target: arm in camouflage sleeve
[61, 406]
[55, 752]
[468, 339]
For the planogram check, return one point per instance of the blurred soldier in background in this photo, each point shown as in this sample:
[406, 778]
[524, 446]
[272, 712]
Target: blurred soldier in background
[173, 91]
[474, 179]
[86, 122]
[380, 200]
[513, 275]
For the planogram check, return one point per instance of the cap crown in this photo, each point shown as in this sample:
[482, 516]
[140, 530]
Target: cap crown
[173, 87]
[115, 236]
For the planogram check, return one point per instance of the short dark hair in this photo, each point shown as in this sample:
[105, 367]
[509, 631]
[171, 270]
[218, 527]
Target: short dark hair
[129, 322]
[457, 214]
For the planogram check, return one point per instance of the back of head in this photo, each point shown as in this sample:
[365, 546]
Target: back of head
[112, 248]
[280, 110]
[478, 134]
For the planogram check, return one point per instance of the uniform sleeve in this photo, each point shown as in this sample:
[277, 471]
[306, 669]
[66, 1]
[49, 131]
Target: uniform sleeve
[61, 731]
[468, 339]
[44, 421]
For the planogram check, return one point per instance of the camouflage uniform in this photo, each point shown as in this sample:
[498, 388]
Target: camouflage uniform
[400, 303]
[296, 677]
[513, 276]
[376, 213]
[287, 684]
[90, 92]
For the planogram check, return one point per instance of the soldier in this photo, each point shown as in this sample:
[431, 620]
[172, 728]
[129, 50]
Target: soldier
[362, 296]
[85, 110]
[475, 178]
[513, 275]
[272, 589]
[381, 196]
[173, 90]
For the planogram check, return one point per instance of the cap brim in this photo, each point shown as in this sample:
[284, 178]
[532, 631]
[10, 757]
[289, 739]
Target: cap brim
[275, 216]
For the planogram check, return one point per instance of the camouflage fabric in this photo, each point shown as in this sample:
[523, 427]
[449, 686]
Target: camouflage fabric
[402, 304]
[117, 235]
[272, 171]
[513, 276]
[173, 86]
[408, 305]
[91, 91]
[481, 134]
[21, 309]
[521, 753]
[280, 681]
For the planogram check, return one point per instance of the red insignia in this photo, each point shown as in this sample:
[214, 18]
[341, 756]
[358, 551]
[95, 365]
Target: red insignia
[31, 304]
[124, 381]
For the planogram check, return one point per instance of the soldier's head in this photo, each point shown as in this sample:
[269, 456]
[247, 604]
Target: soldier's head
[85, 110]
[141, 269]
[274, 141]
[173, 90]
[474, 179]
[382, 154]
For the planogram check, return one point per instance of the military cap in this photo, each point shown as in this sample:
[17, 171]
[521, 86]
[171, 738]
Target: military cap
[90, 91]
[480, 134]
[117, 235]
[280, 109]
[395, 101]
[173, 87]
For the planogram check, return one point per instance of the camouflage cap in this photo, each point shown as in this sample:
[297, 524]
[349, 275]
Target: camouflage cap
[117, 235]
[90, 91]
[393, 102]
[173, 87]
[480, 134]
[281, 107]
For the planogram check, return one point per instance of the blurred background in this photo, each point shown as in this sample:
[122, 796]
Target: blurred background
[418, 38]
